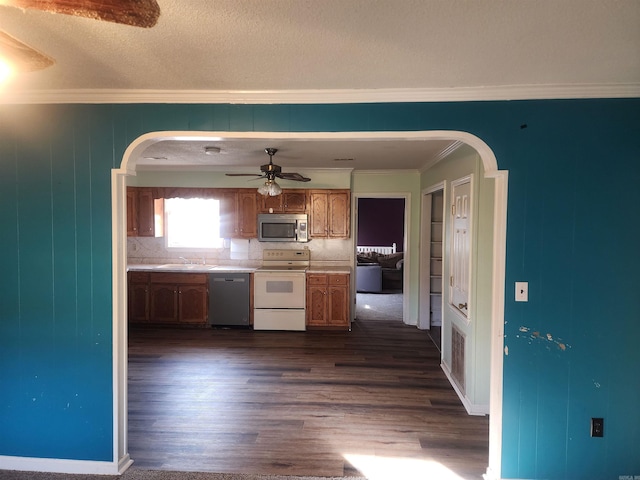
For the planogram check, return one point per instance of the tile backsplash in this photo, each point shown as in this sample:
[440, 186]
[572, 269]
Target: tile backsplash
[152, 250]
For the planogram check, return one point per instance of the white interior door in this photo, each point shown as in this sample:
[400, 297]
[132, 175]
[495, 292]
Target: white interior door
[460, 245]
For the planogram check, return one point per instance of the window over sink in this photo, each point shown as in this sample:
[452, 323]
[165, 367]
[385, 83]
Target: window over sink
[192, 223]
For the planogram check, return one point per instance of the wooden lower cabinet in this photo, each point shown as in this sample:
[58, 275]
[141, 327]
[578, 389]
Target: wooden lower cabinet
[170, 298]
[328, 300]
[138, 291]
[192, 304]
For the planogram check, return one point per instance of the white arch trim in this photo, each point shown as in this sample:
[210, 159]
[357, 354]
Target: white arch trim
[119, 259]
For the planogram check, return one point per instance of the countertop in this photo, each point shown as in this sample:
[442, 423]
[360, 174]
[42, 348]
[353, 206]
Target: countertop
[188, 267]
[199, 268]
[329, 269]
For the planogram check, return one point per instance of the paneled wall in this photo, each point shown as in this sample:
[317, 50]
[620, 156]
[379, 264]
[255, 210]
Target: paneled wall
[571, 349]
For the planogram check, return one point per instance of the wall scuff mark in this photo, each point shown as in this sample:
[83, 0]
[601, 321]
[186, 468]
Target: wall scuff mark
[547, 338]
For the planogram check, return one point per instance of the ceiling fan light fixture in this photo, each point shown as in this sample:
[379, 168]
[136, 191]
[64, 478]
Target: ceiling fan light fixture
[270, 189]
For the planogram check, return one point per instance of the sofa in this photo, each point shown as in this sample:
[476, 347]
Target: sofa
[376, 272]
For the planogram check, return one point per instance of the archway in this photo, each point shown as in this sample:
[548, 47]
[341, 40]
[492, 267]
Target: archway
[128, 167]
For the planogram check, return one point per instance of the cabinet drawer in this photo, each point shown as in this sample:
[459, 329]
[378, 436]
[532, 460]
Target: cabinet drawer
[316, 279]
[139, 277]
[340, 279]
[179, 278]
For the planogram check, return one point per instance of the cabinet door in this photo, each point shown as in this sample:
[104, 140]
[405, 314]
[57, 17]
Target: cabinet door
[270, 204]
[163, 303]
[339, 215]
[338, 306]
[318, 208]
[247, 214]
[132, 212]
[317, 305]
[294, 201]
[192, 304]
[228, 215]
[138, 302]
[145, 213]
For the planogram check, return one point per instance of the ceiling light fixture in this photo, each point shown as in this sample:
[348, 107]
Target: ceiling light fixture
[270, 188]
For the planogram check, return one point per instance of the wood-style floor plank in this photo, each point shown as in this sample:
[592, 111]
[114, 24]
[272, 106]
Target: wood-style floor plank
[296, 403]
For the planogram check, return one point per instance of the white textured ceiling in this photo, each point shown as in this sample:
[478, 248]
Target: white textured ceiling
[240, 45]
[261, 50]
[246, 155]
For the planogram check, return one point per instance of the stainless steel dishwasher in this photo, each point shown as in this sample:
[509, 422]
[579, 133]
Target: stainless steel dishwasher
[229, 299]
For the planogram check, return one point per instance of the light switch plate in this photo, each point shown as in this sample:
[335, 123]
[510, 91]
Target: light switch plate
[522, 291]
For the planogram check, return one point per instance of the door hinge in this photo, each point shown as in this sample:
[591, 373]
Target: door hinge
[453, 210]
[451, 281]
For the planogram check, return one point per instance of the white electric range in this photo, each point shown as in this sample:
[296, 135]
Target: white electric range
[279, 296]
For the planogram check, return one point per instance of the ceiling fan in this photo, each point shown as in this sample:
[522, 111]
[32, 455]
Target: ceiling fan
[137, 13]
[269, 172]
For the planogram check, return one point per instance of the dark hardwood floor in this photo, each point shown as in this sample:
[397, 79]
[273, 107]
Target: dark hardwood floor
[299, 403]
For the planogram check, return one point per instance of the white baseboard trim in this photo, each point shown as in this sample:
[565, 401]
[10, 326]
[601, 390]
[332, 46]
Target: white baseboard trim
[471, 408]
[55, 465]
[490, 475]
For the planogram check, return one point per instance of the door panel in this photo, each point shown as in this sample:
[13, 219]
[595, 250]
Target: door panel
[461, 246]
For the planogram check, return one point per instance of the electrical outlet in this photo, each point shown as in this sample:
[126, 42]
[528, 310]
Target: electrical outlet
[597, 427]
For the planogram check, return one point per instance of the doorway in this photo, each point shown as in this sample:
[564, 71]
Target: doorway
[380, 245]
[119, 334]
[431, 262]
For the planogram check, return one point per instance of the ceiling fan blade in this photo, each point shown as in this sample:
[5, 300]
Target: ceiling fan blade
[21, 56]
[293, 176]
[137, 13]
[243, 175]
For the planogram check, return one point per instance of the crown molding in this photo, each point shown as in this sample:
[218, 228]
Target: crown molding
[384, 95]
[444, 153]
[385, 172]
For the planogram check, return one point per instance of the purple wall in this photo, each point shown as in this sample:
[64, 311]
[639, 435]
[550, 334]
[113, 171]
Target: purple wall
[381, 221]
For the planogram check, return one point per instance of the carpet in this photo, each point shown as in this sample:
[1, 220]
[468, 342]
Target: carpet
[138, 474]
[379, 306]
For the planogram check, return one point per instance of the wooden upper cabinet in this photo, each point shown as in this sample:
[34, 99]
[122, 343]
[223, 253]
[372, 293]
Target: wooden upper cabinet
[238, 214]
[318, 209]
[229, 214]
[266, 203]
[247, 214]
[290, 201]
[294, 201]
[140, 212]
[132, 212]
[330, 213]
[146, 212]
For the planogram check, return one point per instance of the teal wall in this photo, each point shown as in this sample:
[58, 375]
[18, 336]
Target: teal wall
[573, 199]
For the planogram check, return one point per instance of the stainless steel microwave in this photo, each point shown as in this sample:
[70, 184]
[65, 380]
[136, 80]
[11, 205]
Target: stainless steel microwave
[283, 227]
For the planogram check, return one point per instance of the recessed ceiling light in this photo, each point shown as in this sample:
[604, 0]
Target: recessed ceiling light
[155, 158]
[343, 159]
[212, 150]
